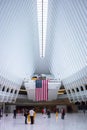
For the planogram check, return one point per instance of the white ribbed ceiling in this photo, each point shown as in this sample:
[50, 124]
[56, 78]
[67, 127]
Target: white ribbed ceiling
[66, 44]
[67, 35]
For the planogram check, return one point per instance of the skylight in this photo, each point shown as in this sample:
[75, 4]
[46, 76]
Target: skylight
[42, 8]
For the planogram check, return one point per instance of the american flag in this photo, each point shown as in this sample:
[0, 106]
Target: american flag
[41, 90]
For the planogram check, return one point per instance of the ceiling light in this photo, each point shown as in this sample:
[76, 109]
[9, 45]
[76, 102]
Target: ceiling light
[42, 8]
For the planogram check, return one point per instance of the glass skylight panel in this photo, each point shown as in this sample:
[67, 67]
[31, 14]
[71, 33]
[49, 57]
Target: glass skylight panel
[42, 8]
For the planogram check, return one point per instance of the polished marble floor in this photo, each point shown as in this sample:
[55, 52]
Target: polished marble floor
[75, 121]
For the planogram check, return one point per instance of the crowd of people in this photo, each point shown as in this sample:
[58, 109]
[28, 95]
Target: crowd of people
[48, 112]
[31, 114]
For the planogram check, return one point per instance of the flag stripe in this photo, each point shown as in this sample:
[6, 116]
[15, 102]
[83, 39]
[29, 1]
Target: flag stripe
[41, 91]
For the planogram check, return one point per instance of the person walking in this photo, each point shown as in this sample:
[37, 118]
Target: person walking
[0, 113]
[28, 118]
[48, 113]
[25, 114]
[62, 113]
[32, 115]
[14, 116]
[56, 115]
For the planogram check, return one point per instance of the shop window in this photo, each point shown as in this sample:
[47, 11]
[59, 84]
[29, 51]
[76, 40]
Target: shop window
[86, 86]
[7, 90]
[11, 90]
[3, 89]
[73, 90]
[77, 89]
[69, 92]
[15, 91]
[81, 88]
